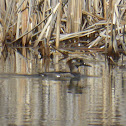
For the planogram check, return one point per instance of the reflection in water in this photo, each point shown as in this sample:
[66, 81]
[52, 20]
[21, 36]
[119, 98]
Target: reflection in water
[99, 100]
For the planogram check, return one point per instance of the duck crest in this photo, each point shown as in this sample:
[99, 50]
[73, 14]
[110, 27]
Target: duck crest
[74, 63]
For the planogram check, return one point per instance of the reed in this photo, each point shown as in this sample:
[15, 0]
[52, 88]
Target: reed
[41, 24]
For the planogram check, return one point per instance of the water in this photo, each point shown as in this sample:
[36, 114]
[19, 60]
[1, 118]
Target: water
[99, 100]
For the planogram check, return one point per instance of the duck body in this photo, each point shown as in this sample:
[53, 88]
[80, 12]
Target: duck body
[60, 75]
[73, 73]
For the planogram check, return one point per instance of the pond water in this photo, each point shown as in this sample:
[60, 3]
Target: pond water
[96, 100]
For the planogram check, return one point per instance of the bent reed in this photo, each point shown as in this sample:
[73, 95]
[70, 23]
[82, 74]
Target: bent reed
[67, 26]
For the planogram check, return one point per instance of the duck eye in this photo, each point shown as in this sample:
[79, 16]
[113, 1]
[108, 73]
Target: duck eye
[78, 60]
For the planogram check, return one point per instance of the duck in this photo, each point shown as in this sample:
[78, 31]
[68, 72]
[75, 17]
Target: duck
[72, 67]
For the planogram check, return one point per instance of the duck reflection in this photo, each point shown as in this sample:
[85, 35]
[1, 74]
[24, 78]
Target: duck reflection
[75, 87]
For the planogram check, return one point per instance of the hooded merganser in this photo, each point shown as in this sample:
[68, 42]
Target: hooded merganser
[72, 75]
[72, 64]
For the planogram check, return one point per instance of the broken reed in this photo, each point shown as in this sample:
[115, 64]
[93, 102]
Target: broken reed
[42, 23]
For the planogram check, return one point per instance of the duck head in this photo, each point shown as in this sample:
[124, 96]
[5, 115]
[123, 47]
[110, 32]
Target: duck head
[74, 63]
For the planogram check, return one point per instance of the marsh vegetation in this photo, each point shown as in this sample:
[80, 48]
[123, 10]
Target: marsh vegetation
[65, 26]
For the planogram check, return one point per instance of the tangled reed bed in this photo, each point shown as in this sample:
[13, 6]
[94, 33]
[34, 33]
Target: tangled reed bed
[67, 26]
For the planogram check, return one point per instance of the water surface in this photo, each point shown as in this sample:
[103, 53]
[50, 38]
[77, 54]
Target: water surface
[99, 100]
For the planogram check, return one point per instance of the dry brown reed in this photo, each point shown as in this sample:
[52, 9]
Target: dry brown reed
[63, 24]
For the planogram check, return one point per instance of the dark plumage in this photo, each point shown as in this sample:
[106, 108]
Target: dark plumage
[72, 64]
